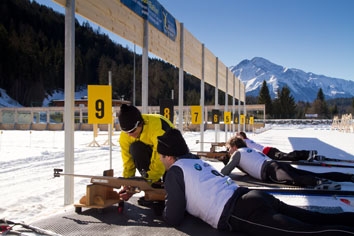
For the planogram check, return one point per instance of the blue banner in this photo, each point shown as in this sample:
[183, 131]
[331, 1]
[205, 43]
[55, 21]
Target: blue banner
[156, 14]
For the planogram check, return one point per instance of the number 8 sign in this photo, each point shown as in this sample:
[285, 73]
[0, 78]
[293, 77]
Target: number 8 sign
[99, 104]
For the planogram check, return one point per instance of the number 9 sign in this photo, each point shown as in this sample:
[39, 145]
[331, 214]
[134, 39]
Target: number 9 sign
[99, 104]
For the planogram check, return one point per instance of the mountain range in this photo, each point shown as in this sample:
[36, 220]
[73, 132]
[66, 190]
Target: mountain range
[303, 86]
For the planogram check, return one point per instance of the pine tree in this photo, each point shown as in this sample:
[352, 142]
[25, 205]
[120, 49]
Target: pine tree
[320, 95]
[320, 105]
[264, 98]
[286, 102]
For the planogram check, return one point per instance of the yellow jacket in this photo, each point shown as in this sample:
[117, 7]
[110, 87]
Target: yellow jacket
[151, 130]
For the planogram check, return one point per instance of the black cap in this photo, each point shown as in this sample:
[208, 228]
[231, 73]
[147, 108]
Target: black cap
[128, 117]
[172, 143]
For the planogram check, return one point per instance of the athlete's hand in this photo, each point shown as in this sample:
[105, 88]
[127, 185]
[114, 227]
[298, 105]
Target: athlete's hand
[125, 194]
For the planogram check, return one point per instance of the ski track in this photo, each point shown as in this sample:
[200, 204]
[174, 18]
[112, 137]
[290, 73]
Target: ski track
[27, 160]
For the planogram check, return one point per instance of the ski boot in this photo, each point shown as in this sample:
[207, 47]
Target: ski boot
[325, 184]
[157, 206]
[312, 154]
[319, 158]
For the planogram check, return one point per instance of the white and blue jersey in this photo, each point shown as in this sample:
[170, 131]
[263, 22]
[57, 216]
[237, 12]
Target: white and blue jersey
[205, 192]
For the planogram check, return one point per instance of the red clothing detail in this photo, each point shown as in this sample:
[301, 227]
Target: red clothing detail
[266, 150]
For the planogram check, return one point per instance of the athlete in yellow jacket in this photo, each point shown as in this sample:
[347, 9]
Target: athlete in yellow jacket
[138, 142]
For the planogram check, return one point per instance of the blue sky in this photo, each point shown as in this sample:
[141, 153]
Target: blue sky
[311, 35]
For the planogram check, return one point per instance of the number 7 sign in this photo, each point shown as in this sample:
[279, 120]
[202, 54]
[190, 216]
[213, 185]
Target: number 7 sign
[99, 104]
[196, 114]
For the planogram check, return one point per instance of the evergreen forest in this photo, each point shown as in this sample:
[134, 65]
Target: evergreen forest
[32, 60]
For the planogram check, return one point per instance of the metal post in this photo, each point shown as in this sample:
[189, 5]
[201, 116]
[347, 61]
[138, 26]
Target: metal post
[145, 69]
[134, 79]
[202, 98]
[226, 101]
[180, 81]
[233, 103]
[69, 100]
[217, 126]
[110, 125]
[239, 107]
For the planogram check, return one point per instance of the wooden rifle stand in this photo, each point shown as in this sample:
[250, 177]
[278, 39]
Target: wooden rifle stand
[98, 196]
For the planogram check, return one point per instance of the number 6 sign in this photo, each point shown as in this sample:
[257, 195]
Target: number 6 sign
[99, 104]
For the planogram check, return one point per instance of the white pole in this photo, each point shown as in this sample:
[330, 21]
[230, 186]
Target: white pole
[69, 100]
[110, 125]
[180, 81]
[134, 79]
[144, 71]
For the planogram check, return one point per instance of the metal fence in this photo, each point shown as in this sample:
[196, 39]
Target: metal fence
[52, 118]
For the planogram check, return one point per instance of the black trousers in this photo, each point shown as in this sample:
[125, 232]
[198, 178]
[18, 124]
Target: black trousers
[259, 213]
[141, 154]
[296, 155]
[281, 172]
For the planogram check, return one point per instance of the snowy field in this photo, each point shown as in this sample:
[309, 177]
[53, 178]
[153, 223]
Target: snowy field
[27, 159]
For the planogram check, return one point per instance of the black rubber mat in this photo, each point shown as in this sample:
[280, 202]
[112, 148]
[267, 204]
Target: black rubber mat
[139, 220]
[134, 220]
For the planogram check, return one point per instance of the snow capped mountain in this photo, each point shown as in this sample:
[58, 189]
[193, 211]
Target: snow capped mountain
[6, 100]
[303, 86]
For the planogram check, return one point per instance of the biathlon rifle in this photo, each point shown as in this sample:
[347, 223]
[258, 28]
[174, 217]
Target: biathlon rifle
[136, 184]
[223, 156]
[213, 145]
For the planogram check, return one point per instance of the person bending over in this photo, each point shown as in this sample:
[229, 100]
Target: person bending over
[138, 142]
[194, 186]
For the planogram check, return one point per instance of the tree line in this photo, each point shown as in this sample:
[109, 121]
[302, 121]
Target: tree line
[32, 66]
[32, 60]
[284, 106]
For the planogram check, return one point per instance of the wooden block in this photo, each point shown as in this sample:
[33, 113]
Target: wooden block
[109, 172]
[94, 190]
[83, 200]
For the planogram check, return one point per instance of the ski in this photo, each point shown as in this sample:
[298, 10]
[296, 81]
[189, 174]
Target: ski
[316, 163]
[305, 191]
[347, 201]
[9, 227]
[324, 158]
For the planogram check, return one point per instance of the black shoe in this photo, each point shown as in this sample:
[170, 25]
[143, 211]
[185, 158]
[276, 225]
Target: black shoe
[157, 206]
[325, 184]
[319, 158]
[312, 155]
[143, 202]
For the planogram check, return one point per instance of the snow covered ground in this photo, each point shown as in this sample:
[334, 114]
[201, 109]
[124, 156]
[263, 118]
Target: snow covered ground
[27, 159]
